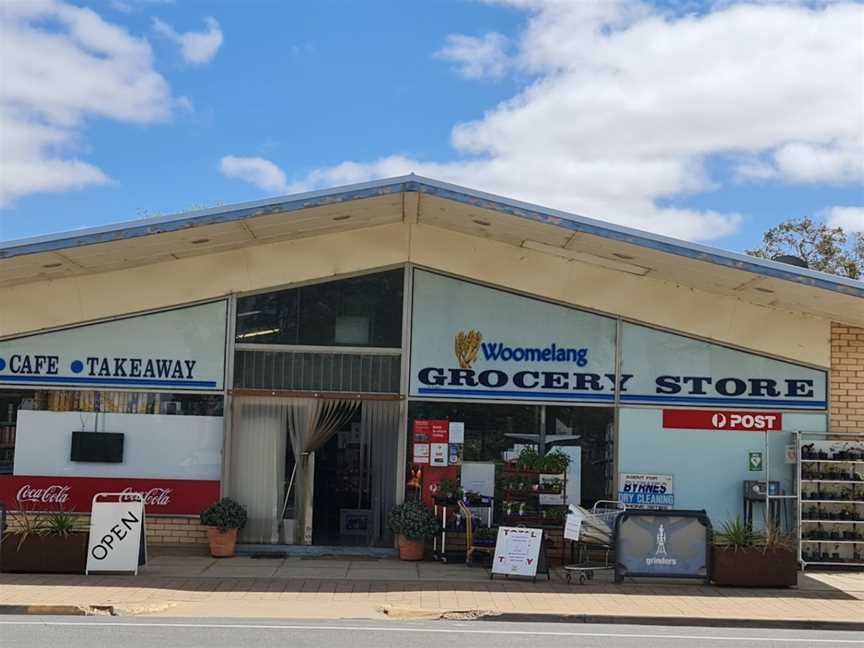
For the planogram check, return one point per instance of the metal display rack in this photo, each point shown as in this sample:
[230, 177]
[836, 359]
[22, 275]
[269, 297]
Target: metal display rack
[830, 476]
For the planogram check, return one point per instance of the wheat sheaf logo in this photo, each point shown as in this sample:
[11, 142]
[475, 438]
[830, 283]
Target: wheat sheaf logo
[467, 346]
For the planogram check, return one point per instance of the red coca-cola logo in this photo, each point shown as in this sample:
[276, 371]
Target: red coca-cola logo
[54, 494]
[154, 496]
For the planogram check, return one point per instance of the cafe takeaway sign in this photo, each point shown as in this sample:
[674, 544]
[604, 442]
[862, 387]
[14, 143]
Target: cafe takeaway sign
[471, 341]
[180, 349]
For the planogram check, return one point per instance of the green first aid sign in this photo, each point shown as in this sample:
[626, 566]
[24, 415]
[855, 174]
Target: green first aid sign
[754, 461]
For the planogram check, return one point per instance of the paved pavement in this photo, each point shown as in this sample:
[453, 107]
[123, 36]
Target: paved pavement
[29, 632]
[198, 586]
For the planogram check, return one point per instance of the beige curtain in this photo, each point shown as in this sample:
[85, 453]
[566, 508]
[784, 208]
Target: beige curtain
[379, 443]
[311, 423]
[257, 472]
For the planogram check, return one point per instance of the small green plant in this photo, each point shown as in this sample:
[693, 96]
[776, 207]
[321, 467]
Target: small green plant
[737, 535]
[529, 459]
[61, 523]
[486, 535]
[224, 514]
[23, 524]
[555, 462]
[413, 520]
[449, 489]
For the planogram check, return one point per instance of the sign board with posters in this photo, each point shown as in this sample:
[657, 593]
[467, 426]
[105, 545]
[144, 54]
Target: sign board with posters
[667, 544]
[117, 539]
[517, 551]
[161, 496]
[182, 348]
[744, 421]
[646, 491]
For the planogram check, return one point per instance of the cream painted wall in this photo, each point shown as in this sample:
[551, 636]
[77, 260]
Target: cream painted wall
[34, 306]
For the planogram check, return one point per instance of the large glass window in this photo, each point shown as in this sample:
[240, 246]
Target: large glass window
[356, 312]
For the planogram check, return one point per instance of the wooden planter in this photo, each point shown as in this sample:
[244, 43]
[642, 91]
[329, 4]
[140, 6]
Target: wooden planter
[44, 554]
[754, 567]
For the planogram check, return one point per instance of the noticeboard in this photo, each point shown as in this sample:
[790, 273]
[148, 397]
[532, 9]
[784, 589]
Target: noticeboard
[662, 544]
[517, 551]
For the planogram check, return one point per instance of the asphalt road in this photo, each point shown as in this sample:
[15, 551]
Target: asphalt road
[95, 632]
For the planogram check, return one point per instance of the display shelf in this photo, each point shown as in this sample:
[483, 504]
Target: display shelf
[849, 551]
[837, 461]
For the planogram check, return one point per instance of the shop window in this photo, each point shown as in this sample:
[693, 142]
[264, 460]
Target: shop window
[494, 437]
[10, 403]
[361, 311]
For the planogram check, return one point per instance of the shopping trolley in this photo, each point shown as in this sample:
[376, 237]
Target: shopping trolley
[595, 548]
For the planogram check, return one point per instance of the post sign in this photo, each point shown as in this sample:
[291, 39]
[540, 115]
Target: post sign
[744, 421]
[116, 533]
[667, 544]
[517, 551]
[641, 490]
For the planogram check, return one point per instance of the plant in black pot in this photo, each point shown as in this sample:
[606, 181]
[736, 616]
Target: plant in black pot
[413, 523]
[223, 519]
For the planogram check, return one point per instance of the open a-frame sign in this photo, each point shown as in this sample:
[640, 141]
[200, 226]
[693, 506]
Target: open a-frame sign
[117, 539]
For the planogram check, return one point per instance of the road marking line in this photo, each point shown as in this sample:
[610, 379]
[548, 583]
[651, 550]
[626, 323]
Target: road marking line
[542, 633]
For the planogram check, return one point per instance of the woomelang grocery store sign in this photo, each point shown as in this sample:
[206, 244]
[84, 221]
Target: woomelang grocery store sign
[471, 341]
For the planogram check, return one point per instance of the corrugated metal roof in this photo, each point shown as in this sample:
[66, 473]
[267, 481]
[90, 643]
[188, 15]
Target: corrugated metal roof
[412, 183]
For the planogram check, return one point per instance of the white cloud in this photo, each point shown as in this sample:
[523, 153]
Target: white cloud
[256, 171]
[626, 103]
[851, 219]
[54, 79]
[477, 56]
[196, 47]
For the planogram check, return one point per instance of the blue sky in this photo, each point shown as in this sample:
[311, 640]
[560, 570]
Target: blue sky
[707, 122]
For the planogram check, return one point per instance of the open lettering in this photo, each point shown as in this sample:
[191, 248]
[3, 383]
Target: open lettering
[110, 541]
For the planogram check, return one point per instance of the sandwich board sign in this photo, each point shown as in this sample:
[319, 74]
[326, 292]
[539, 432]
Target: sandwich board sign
[117, 540]
[517, 551]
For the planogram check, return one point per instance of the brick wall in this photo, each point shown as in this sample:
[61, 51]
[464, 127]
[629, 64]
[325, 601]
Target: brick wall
[175, 530]
[160, 530]
[847, 378]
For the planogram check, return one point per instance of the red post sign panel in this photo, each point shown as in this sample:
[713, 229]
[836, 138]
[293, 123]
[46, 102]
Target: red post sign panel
[75, 494]
[440, 431]
[722, 420]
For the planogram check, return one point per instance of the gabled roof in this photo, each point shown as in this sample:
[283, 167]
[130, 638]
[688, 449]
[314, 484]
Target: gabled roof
[413, 198]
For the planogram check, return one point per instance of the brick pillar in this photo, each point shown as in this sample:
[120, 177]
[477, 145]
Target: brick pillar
[847, 378]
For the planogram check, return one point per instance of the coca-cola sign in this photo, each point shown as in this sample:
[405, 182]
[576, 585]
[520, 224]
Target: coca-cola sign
[53, 494]
[161, 496]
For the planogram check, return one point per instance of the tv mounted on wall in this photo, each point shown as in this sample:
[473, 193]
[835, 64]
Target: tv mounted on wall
[101, 447]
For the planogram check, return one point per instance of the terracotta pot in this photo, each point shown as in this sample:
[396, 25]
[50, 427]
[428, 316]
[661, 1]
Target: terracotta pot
[42, 554]
[754, 568]
[222, 543]
[410, 549]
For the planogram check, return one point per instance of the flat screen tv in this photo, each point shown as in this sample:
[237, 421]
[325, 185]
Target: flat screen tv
[101, 447]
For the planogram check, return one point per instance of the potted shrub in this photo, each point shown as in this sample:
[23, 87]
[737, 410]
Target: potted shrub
[743, 557]
[52, 543]
[223, 519]
[413, 523]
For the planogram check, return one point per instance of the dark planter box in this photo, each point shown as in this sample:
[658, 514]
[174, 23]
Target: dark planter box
[41, 554]
[754, 568]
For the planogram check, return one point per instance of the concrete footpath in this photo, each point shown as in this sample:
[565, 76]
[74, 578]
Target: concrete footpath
[345, 588]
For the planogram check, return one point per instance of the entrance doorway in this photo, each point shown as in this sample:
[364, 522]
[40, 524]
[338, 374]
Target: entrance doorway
[315, 471]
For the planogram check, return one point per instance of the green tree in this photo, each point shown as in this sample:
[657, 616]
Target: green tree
[823, 248]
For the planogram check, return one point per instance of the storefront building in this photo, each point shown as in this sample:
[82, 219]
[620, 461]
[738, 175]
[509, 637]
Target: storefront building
[321, 357]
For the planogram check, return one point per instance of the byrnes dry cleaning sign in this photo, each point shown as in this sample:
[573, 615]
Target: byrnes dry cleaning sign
[469, 341]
